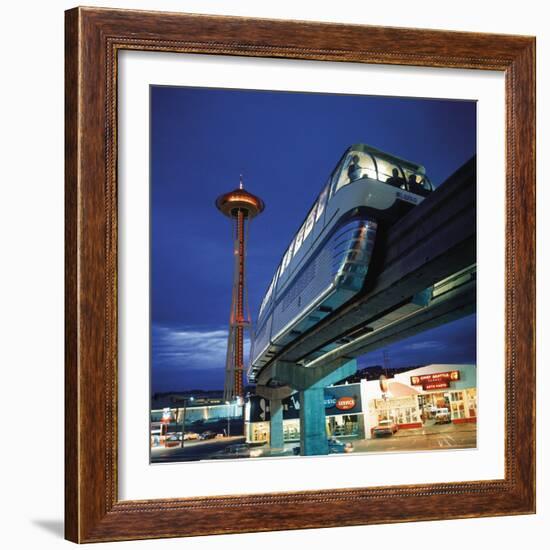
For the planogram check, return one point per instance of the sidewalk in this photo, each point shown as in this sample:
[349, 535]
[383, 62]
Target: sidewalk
[434, 437]
[435, 429]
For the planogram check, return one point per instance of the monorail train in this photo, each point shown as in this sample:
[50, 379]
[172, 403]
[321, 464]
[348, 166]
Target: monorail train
[327, 261]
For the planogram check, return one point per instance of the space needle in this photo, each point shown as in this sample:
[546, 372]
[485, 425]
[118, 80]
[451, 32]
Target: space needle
[240, 206]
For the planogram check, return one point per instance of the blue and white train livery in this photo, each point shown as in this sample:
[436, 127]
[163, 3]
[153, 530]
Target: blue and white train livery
[328, 259]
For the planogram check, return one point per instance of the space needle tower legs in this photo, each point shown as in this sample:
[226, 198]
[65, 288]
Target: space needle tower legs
[240, 206]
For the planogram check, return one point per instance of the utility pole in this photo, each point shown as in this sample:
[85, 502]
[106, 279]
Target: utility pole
[185, 400]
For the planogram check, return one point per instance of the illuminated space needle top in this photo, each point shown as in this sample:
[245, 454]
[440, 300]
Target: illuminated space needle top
[240, 199]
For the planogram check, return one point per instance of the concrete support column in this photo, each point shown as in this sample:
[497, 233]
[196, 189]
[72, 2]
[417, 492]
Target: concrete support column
[313, 432]
[276, 440]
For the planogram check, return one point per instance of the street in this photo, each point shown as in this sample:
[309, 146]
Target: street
[193, 450]
[430, 437]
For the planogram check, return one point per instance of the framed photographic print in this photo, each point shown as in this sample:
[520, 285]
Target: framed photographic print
[299, 275]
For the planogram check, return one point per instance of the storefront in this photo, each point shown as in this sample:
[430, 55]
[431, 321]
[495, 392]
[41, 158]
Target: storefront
[424, 396]
[404, 411]
[343, 411]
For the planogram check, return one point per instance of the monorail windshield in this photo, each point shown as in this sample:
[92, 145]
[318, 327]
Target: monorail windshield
[361, 161]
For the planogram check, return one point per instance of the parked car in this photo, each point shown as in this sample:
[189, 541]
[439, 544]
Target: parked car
[335, 446]
[190, 435]
[384, 427]
[442, 416]
[173, 440]
[239, 450]
[208, 434]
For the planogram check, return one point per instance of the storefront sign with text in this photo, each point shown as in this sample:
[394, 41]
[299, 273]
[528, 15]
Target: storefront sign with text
[345, 403]
[435, 385]
[437, 380]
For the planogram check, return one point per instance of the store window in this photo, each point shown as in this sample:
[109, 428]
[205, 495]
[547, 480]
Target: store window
[408, 415]
[458, 409]
[291, 430]
[440, 400]
[344, 425]
[471, 398]
[260, 431]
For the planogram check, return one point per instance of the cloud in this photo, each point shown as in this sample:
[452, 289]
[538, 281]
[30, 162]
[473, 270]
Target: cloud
[181, 348]
[189, 348]
[429, 344]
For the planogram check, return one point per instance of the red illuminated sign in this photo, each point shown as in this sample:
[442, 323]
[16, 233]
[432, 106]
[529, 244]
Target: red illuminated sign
[435, 385]
[166, 416]
[345, 403]
[435, 381]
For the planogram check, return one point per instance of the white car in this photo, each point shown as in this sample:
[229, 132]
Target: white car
[442, 416]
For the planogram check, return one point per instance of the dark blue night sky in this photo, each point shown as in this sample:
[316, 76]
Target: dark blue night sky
[286, 145]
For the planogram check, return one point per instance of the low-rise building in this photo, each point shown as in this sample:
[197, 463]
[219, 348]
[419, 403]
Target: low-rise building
[411, 399]
[415, 398]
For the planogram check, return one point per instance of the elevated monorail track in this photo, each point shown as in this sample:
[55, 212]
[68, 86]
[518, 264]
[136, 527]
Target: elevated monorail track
[458, 301]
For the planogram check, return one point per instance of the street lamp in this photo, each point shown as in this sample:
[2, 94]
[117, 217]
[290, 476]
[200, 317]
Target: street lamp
[185, 401]
[228, 417]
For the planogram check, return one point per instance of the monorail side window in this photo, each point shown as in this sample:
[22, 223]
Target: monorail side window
[343, 178]
[287, 257]
[388, 172]
[269, 292]
[417, 183]
[304, 230]
[368, 168]
[357, 165]
[309, 223]
[299, 238]
[321, 203]
[266, 298]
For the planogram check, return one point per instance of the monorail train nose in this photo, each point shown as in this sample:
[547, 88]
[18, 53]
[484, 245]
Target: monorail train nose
[352, 251]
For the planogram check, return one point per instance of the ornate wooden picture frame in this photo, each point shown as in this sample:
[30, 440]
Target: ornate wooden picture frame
[94, 37]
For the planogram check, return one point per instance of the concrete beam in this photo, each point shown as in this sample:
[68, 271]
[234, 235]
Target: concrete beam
[311, 382]
[301, 378]
[444, 309]
[271, 393]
